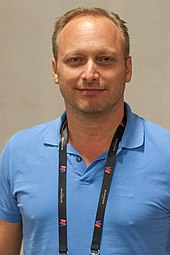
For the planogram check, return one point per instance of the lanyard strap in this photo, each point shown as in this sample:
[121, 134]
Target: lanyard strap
[62, 190]
[108, 174]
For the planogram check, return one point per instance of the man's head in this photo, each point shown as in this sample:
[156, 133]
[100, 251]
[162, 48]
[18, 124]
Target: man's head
[91, 64]
[62, 21]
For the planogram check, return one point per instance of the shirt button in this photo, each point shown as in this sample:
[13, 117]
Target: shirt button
[78, 159]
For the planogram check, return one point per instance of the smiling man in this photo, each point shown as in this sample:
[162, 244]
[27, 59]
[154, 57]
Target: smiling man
[92, 61]
[92, 68]
[96, 180]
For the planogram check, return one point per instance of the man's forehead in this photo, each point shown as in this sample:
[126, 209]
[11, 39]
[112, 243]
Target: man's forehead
[89, 33]
[88, 23]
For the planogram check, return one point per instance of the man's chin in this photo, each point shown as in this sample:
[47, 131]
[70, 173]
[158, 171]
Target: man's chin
[93, 111]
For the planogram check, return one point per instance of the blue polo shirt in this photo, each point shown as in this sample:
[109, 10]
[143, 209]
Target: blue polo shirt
[137, 217]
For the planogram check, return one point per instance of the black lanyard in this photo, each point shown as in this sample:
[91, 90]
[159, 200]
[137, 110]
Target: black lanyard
[108, 173]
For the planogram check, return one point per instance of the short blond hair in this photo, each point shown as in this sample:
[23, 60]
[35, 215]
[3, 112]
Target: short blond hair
[62, 21]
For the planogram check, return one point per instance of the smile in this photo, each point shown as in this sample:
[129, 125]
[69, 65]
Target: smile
[91, 91]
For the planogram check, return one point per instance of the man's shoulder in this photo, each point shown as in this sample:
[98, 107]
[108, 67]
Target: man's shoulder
[142, 132]
[149, 127]
[156, 140]
[34, 136]
[35, 131]
[155, 130]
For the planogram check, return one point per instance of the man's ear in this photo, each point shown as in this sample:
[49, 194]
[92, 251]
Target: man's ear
[54, 67]
[128, 69]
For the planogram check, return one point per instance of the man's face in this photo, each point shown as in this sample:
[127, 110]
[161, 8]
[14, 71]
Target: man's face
[91, 69]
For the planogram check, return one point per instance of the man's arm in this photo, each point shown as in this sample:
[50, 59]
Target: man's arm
[10, 238]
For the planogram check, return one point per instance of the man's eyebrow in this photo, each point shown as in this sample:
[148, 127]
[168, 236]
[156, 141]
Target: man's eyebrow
[99, 52]
[106, 51]
[73, 53]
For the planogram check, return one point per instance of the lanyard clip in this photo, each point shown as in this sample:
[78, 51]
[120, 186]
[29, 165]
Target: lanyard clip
[94, 252]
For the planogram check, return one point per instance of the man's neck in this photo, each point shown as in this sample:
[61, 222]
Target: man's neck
[92, 136]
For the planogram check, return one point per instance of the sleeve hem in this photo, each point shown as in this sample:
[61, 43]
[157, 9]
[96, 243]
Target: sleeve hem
[10, 219]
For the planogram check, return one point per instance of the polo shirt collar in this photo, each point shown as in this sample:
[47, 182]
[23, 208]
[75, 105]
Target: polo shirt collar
[52, 133]
[133, 136]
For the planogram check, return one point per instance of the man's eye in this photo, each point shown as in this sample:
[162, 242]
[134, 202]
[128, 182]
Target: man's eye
[75, 61]
[106, 60]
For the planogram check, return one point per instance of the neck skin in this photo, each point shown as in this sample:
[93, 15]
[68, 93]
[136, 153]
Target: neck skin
[92, 136]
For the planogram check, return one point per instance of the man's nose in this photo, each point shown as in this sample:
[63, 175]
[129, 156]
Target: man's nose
[90, 73]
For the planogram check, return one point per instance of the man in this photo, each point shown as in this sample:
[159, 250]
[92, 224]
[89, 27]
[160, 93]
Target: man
[66, 186]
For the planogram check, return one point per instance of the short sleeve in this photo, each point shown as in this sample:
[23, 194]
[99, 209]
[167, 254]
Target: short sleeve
[9, 210]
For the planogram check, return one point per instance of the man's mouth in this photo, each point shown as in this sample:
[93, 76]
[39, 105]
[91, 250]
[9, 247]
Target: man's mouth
[91, 91]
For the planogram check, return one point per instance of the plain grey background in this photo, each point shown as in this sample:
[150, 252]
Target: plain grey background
[28, 96]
